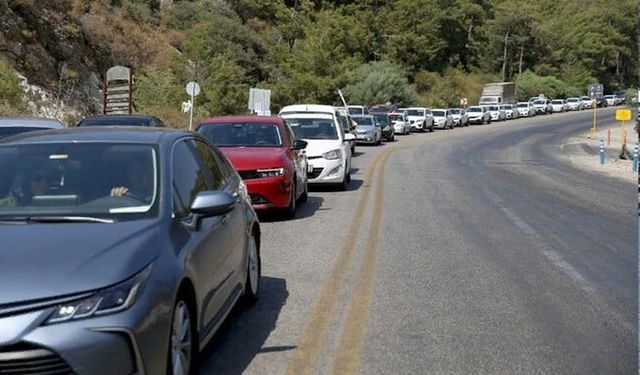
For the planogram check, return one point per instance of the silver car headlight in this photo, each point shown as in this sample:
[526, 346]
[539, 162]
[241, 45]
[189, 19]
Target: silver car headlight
[108, 301]
[271, 172]
[333, 154]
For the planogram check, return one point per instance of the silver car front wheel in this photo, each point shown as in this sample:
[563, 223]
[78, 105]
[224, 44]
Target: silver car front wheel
[181, 340]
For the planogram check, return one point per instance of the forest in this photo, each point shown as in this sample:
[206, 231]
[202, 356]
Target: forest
[410, 52]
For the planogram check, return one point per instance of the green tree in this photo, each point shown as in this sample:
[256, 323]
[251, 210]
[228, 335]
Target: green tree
[380, 82]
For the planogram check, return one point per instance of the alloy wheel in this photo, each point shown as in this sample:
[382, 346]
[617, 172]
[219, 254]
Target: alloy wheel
[181, 344]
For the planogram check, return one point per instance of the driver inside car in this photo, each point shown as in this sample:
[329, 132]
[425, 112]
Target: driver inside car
[139, 182]
[35, 182]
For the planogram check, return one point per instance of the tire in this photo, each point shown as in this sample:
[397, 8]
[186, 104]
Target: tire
[345, 182]
[431, 130]
[484, 121]
[181, 354]
[290, 211]
[305, 196]
[254, 273]
[353, 148]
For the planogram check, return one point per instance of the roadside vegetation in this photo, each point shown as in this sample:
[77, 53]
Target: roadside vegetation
[426, 52]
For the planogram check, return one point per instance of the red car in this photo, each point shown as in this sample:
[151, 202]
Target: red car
[266, 154]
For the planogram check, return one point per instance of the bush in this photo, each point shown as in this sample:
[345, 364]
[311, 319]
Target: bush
[12, 101]
[530, 84]
[379, 82]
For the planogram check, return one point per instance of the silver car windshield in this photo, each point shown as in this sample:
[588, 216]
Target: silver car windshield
[78, 180]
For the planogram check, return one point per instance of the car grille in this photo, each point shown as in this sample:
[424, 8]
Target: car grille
[31, 360]
[315, 173]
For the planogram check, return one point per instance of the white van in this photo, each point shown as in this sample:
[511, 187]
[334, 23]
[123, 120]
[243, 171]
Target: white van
[328, 149]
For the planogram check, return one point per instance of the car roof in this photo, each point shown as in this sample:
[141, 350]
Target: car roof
[308, 108]
[361, 116]
[31, 122]
[124, 134]
[247, 118]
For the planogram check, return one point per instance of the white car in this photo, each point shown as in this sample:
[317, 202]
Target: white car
[421, 119]
[510, 111]
[611, 100]
[587, 102]
[574, 104]
[401, 124]
[328, 150]
[526, 109]
[478, 115]
[442, 118]
[357, 110]
[543, 106]
[558, 105]
[496, 113]
[460, 117]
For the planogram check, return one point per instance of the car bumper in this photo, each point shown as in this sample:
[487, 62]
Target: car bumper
[417, 126]
[476, 120]
[388, 133]
[366, 138]
[325, 171]
[268, 193]
[134, 341]
[398, 128]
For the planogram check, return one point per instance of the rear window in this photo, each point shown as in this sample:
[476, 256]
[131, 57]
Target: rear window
[242, 134]
[11, 130]
[363, 121]
[116, 121]
[312, 128]
[474, 109]
[415, 112]
[438, 113]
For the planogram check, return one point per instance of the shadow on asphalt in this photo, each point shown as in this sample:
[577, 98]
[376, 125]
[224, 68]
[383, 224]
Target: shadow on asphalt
[245, 331]
[304, 210]
[354, 185]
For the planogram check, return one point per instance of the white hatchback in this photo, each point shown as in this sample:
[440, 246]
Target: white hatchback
[328, 150]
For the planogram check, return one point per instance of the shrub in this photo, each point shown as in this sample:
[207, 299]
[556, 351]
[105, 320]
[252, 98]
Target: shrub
[12, 101]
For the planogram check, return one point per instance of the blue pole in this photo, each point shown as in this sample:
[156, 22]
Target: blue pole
[635, 158]
[601, 152]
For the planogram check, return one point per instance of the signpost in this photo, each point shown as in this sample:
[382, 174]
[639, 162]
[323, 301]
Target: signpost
[193, 89]
[260, 102]
[118, 88]
[595, 91]
[623, 115]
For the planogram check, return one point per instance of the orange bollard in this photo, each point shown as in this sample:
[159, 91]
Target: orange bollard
[609, 137]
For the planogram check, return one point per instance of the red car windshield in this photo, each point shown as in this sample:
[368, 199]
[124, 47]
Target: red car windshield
[242, 134]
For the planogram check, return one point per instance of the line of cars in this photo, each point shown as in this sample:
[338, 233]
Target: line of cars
[127, 245]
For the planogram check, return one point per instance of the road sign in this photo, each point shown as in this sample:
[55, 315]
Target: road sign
[623, 114]
[193, 88]
[118, 87]
[595, 91]
[260, 101]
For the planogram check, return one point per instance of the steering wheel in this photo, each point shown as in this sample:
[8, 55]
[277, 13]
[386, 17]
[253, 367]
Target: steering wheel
[131, 195]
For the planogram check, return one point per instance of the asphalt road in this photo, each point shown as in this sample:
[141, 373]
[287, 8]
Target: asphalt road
[476, 250]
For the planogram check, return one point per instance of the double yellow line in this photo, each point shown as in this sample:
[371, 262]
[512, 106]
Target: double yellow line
[350, 346]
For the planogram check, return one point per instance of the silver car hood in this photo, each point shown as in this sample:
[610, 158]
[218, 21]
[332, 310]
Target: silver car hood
[48, 260]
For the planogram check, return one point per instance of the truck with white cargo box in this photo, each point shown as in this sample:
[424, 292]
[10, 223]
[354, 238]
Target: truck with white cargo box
[498, 93]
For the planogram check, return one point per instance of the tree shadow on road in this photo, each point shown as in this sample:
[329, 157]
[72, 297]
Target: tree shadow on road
[245, 331]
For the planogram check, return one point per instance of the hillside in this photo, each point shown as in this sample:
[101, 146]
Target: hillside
[430, 52]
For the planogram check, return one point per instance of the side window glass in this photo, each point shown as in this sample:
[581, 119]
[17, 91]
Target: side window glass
[210, 166]
[187, 179]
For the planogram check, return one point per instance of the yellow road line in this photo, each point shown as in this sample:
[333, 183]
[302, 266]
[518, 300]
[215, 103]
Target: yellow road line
[312, 341]
[314, 335]
[351, 344]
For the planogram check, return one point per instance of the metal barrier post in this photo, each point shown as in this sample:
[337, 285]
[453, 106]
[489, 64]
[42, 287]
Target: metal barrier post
[601, 151]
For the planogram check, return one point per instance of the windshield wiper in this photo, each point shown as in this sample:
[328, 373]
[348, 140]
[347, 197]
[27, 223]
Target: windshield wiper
[59, 219]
